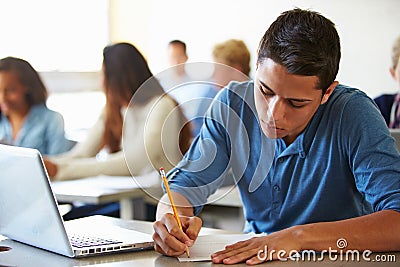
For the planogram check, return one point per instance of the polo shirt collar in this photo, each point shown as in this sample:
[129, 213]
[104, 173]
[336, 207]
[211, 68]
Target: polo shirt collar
[297, 147]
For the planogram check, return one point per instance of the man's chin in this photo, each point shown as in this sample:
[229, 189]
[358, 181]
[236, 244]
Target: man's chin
[270, 133]
[274, 134]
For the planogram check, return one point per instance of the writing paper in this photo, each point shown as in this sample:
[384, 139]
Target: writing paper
[208, 244]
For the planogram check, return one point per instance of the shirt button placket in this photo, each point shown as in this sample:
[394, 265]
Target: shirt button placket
[276, 198]
[276, 203]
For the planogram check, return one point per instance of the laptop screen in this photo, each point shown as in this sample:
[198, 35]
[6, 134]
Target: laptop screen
[29, 212]
[28, 208]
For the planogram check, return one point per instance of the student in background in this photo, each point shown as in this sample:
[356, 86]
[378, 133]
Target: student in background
[233, 58]
[389, 104]
[177, 54]
[25, 119]
[122, 147]
[176, 74]
[235, 54]
[291, 137]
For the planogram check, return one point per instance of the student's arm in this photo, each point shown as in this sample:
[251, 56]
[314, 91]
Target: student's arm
[191, 183]
[379, 231]
[168, 238]
[75, 168]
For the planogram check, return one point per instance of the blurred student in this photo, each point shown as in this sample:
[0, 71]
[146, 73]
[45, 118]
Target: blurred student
[122, 147]
[25, 119]
[177, 54]
[235, 54]
[389, 103]
[176, 74]
[233, 64]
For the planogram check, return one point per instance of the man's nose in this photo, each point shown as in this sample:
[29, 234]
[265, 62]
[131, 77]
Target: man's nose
[277, 108]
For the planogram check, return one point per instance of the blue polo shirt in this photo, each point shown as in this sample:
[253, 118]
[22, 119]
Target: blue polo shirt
[343, 165]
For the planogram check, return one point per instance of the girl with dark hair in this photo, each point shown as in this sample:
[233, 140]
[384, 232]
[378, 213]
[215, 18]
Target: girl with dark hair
[136, 131]
[25, 119]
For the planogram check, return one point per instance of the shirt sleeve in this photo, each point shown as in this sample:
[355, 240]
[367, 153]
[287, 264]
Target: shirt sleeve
[56, 141]
[372, 154]
[205, 165]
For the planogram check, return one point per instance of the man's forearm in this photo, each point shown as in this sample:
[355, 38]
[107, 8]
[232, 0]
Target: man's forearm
[379, 231]
[183, 206]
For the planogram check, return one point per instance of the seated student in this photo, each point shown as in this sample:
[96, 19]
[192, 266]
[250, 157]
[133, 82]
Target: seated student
[233, 58]
[235, 54]
[177, 56]
[25, 119]
[122, 147]
[195, 96]
[313, 159]
[174, 80]
[126, 140]
[389, 103]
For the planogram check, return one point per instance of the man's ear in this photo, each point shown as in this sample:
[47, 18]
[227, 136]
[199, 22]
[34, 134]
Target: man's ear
[328, 92]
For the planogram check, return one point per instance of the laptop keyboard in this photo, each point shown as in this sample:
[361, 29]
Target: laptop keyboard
[79, 241]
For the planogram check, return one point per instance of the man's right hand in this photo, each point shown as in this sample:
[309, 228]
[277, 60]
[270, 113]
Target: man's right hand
[172, 241]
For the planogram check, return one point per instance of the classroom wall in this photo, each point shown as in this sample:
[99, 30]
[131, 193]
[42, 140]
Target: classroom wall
[367, 29]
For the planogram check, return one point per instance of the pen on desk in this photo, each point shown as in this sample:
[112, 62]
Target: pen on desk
[171, 200]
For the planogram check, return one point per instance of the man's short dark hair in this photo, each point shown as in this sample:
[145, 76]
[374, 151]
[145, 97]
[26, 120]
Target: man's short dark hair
[178, 42]
[305, 43]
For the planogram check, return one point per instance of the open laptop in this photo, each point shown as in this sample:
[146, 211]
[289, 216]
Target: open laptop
[29, 212]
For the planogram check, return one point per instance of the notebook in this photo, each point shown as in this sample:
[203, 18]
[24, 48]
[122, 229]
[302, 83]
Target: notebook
[29, 213]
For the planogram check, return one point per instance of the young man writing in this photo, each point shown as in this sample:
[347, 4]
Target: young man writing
[313, 159]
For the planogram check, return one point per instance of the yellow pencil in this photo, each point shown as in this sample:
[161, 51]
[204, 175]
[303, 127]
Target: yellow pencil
[171, 200]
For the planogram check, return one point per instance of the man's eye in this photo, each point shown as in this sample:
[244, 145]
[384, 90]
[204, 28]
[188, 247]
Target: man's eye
[296, 104]
[264, 92]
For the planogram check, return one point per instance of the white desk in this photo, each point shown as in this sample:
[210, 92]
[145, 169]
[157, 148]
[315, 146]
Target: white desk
[102, 189]
[130, 192]
[23, 255]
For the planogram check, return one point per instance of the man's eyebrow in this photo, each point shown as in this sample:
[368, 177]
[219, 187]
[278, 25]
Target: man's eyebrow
[291, 99]
[266, 86]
